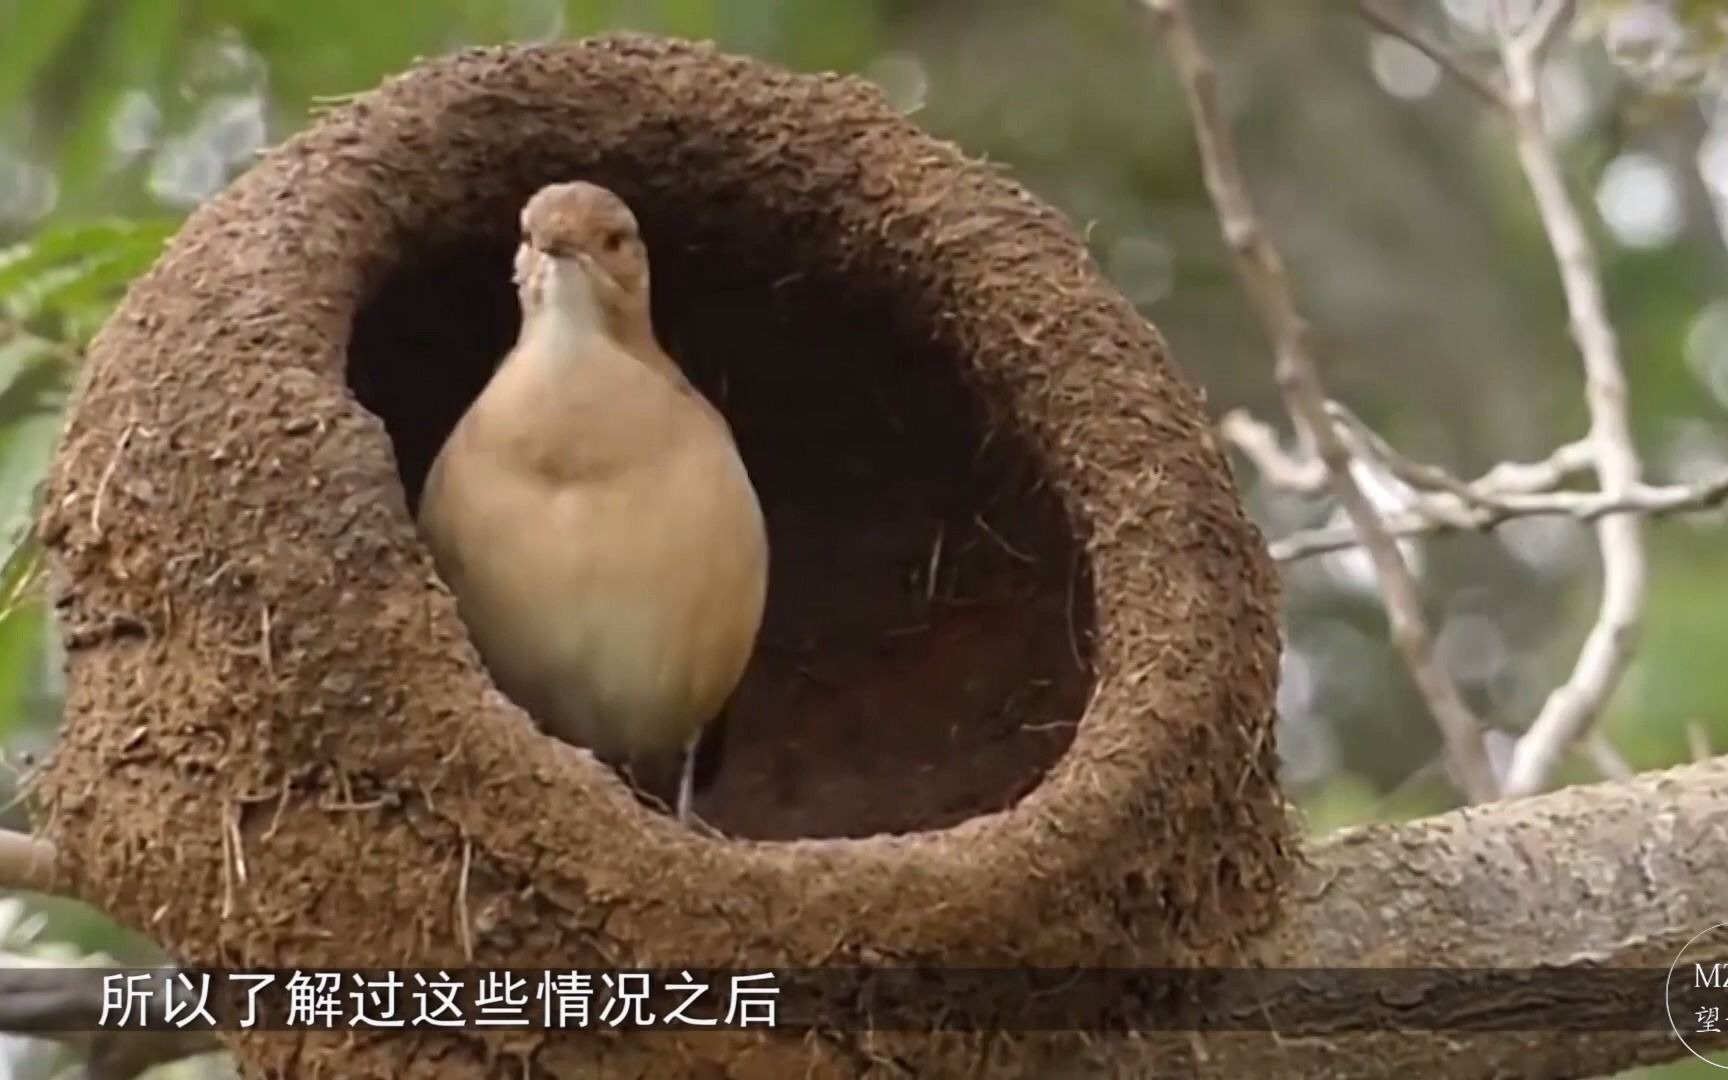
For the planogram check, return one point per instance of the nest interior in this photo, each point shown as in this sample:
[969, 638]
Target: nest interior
[923, 654]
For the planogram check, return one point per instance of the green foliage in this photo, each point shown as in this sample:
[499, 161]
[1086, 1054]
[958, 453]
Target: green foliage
[55, 288]
[135, 46]
[35, 33]
[62, 281]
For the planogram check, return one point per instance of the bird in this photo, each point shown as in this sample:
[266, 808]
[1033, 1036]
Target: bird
[591, 513]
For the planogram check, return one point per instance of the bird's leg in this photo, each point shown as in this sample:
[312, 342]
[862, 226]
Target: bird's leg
[687, 779]
[628, 771]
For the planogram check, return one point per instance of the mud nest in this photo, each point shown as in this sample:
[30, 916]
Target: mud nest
[1014, 687]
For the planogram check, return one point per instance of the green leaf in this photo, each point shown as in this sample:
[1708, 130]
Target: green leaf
[26, 447]
[96, 280]
[29, 371]
[69, 243]
[72, 274]
[21, 645]
[39, 389]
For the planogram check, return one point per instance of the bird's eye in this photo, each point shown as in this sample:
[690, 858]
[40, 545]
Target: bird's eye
[613, 240]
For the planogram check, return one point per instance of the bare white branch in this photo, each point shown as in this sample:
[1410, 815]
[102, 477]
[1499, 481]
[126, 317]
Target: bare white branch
[1607, 759]
[1442, 513]
[1514, 477]
[26, 862]
[1698, 741]
[1259, 442]
[1573, 707]
[1536, 35]
[1382, 18]
[1296, 373]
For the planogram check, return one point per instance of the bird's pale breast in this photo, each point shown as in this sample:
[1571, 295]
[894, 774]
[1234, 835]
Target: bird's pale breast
[620, 613]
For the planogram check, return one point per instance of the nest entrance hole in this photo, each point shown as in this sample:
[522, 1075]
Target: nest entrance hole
[923, 658]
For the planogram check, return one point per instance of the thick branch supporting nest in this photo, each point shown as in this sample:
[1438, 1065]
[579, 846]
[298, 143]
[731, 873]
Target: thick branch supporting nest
[280, 748]
[1611, 875]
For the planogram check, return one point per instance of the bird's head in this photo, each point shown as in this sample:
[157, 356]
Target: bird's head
[582, 255]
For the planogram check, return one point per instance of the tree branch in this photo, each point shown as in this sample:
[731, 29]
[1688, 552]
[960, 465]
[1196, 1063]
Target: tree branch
[1297, 376]
[1609, 875]
[1439, 514]
[1536, 35]
[1573, 707]
[1259, 443]
[26, 862]
[67, 1005]
[1376, 14]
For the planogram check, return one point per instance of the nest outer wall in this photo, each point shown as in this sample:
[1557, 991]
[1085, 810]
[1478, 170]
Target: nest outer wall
[281, 751]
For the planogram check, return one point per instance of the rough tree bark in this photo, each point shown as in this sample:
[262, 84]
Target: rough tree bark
[1617, 875]
[1609, 875]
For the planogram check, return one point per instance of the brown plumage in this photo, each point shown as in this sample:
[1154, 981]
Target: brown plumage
[590, 510]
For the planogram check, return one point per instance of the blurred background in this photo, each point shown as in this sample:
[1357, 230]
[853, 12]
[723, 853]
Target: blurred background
[1393, 195]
